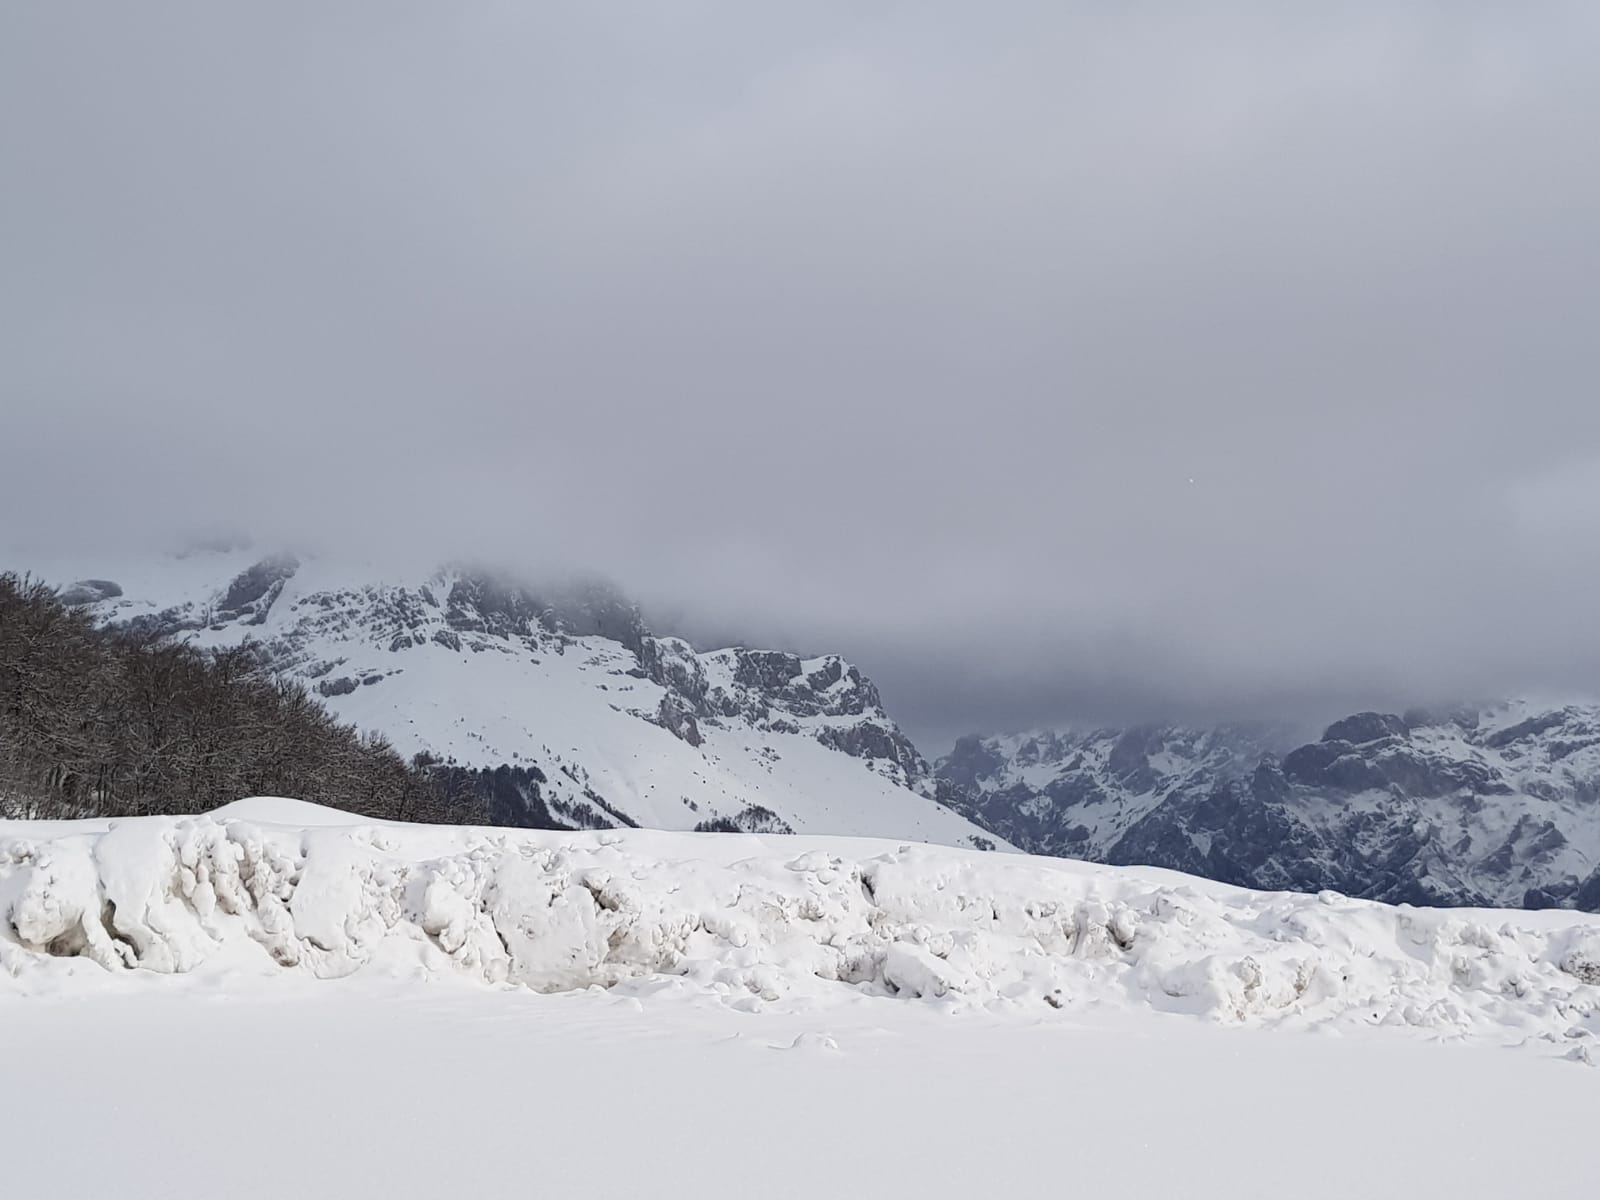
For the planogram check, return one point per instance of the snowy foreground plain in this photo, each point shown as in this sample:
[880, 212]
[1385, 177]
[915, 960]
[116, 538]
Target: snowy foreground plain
[272, 1001]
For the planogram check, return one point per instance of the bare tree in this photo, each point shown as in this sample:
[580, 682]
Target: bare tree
[98, 722]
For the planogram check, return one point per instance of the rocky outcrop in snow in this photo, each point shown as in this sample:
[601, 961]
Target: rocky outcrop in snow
[825, 697]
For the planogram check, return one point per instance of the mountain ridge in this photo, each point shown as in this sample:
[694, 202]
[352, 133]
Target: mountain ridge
[1491, 805]
[588, 717]
[594, 719]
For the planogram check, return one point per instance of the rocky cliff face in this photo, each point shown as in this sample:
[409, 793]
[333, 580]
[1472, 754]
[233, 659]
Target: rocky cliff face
[1491, 805]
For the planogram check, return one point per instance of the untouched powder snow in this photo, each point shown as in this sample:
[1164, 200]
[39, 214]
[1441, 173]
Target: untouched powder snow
[326, 1092]
[282, 1000]
[280, 810]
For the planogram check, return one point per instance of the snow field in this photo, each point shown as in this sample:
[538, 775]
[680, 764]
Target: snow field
[186, 1088]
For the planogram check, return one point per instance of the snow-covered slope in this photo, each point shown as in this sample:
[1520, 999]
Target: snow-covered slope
[756, 921]
[608, 723]
[1486, 805]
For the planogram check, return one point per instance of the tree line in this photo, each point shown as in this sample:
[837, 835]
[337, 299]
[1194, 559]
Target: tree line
[98, 721]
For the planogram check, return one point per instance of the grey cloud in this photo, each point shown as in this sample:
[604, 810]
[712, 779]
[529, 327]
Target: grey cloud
[896, 328]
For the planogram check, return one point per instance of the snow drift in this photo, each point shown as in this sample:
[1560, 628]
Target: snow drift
[759, 921]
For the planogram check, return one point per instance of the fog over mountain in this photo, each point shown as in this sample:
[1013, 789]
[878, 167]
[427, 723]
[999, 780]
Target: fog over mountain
[1054, 361]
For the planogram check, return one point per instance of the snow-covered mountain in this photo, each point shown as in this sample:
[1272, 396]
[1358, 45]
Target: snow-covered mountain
[1077, 793]
[590, 719]
[601, 722]
[1484, 805]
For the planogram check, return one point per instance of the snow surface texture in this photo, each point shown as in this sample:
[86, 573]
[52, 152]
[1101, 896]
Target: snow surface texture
[194, 1091]
[482, 672]
[756, 923]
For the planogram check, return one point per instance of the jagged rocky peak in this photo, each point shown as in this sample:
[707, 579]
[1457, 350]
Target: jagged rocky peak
[439, 607]
[480, 602]
[730, 682]
[1375, 751]
[972, 760]
[764, 670]
[245, 596]
[674, 664]
[1138, 757]
[1366, 727]
[824, 697]
[1078, 792]
[828, 683]
[1465, 804]
[254, 590]
[493, 602]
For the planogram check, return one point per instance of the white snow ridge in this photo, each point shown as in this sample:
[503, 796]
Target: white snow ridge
[757, 922]
[279, 999]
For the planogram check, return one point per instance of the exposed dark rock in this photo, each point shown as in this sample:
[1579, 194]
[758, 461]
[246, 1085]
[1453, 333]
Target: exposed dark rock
[825, 676]
[971, 761]
[482, 603]
[1366, 727]
[486, 602]
[674, 665]
[754, 819]
[1129, 761]
[255, 589]
[1532, 727]
[90, 591]
[1552, 896]
[871, 740]
[767, 670]
[677, 720]
[1587, 896]
[597, 609]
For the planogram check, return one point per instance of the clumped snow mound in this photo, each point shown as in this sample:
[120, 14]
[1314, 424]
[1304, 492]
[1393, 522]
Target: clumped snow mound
[759, 921]
[280, 810]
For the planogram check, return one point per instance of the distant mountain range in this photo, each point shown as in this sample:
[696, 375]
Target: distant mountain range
[1493, 805]
[597, 721]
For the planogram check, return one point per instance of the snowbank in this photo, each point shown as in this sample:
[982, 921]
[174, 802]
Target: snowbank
[280, 810]
[765, 921]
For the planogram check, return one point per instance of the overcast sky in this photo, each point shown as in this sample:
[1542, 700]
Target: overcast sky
[1055, 361]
